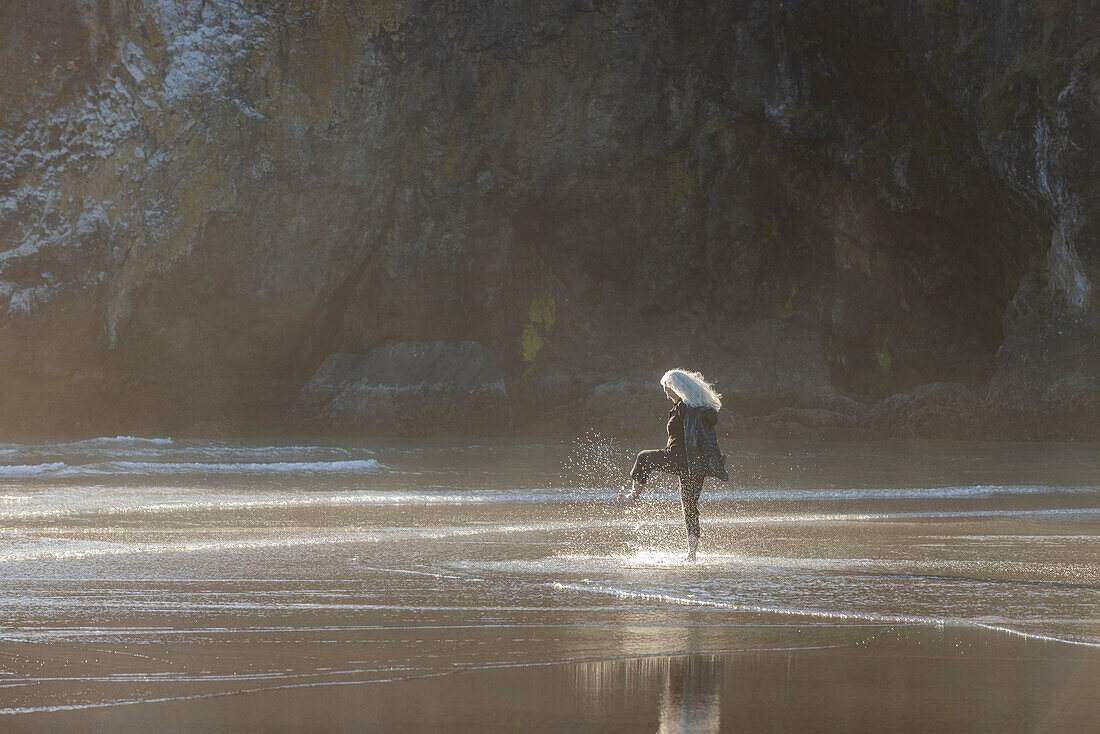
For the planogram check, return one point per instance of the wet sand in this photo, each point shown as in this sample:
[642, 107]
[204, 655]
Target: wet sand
[495, 587]
[873, 679]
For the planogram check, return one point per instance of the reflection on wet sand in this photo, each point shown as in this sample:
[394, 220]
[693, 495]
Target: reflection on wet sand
[690, 699]
[686, 687]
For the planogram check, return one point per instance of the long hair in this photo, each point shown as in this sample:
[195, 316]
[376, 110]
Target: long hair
[692, 388]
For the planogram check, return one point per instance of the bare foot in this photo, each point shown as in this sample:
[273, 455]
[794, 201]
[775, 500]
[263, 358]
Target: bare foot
[631, 497]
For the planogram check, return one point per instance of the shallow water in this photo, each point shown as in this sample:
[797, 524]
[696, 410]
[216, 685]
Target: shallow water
[139, 570]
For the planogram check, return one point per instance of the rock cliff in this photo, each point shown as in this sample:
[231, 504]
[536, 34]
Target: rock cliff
[817, 203]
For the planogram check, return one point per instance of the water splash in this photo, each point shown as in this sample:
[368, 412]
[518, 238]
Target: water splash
[596, 460]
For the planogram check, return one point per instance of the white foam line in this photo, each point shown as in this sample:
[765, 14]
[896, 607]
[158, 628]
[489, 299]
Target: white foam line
[179, 677]
[297, 606]
[129, 634]
[31, 470]
[326, 500]
[346, 536]
[57, 555]
[411, 572]
[858, 616]
[974, 491]
[1008, 538]
[423, 498]
[125, 440]
[872, 516]
[195, 697]
[114, 468]
[905, 567]
[135, 655]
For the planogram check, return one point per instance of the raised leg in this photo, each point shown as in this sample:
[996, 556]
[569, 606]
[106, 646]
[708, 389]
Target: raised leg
[646, 463]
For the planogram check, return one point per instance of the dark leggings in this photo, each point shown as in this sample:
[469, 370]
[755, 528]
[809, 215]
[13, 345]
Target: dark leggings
[690, 486]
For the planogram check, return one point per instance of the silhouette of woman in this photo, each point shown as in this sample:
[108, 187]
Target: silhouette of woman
[692, 452]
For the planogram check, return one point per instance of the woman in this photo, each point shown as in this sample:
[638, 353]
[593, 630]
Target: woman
[692, 452]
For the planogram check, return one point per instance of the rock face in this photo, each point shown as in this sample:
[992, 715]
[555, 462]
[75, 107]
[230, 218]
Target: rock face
[811, 423]
[820, 204]
[410, 387]
[938, 410]
[781, 363]
[1047, 381]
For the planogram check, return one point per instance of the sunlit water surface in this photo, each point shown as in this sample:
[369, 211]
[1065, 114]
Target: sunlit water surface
[139, 570]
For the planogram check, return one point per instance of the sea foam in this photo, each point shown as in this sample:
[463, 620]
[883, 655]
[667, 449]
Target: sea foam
[130, 468]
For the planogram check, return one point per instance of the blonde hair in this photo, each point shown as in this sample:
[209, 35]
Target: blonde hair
[692, 388]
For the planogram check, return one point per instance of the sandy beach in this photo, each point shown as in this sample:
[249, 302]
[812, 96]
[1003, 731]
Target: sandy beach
[451, 586]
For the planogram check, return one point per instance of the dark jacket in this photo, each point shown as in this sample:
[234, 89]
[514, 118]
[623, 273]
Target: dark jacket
[676, 446]
[704, 456]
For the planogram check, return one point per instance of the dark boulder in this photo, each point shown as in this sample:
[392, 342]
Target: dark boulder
[408, 388]
[810, 423]
[936, 410]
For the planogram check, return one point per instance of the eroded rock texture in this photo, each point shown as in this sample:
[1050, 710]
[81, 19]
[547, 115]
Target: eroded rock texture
[407, 388]
[818, 203]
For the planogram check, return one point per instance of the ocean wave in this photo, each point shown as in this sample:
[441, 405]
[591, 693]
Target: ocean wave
[238, 503]
[32, 470]
[131, 448]
[81, 550]
[353, 466]
[124, 441]
[550, 495]
[61, 469]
